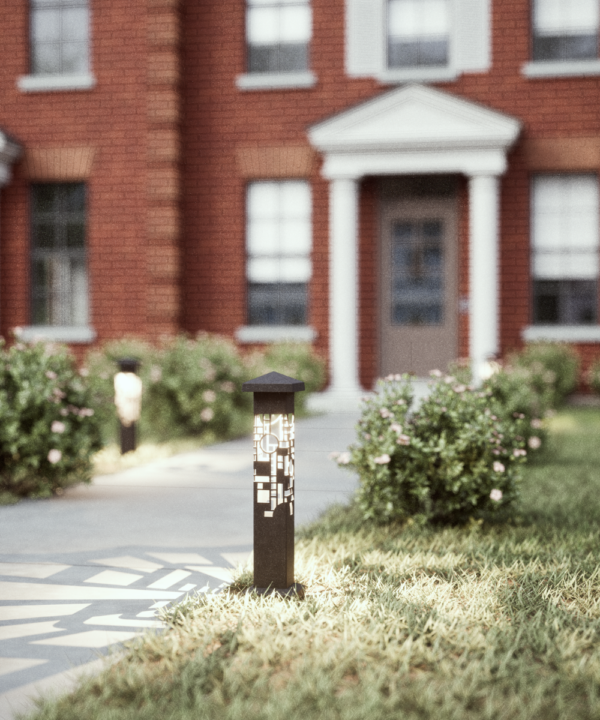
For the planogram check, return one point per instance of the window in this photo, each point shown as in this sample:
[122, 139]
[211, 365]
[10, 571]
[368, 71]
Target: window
[278, 241]
[565, 30]
[59, 37]
[565, 249]
[418, 33]
[59, 286]
[278, 34]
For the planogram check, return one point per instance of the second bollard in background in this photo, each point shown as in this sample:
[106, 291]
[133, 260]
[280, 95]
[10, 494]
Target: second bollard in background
[128, 400]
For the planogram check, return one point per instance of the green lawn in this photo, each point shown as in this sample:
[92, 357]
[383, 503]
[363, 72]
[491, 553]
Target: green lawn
[399, 622]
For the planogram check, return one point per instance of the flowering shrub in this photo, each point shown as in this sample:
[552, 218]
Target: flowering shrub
[194, 386]
[48, 429]
[515, 395]
[456, 457]
[299, 361]
[593, 376]
[553, 368]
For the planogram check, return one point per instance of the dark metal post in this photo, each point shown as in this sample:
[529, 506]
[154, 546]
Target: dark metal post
[274, 483]
[127, 428]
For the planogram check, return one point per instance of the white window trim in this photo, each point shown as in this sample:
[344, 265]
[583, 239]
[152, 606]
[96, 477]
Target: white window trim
[562, 333]
[48, 83]
[562, 68]
[275, 333]
[419, 73]
[53, 333]
[275, 81]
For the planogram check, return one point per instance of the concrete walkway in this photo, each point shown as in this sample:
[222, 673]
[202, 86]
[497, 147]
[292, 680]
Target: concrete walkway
[81, 572]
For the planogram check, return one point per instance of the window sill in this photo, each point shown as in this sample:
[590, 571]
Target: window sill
[52, 333]
[49, 83]
[275, 81]
[564, 68]
[275, 333]
[562, 333]
[418, 74]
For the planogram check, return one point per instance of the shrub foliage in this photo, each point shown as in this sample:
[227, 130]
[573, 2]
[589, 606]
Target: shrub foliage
[193, 386]
[48, 426]
[454, 458]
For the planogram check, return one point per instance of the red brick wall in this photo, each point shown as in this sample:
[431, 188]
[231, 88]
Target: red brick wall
[220, 118]
[112, 118]
[131, 274]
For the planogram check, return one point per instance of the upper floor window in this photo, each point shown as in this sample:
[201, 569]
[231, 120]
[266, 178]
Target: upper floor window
[565, 265]
[59, 282]
[417, 33]
[59, 37]
[565, 30]
[278, 242]
[278, 34]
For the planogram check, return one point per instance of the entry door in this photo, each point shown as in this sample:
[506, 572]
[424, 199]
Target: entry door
[418, 285]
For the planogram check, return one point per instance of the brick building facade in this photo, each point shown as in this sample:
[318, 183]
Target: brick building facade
[400, 182]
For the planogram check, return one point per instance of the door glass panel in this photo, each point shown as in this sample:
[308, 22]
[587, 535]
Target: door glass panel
[417, 273]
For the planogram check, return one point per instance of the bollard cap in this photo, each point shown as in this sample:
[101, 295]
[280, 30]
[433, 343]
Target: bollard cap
[273, 382]
[128, 364]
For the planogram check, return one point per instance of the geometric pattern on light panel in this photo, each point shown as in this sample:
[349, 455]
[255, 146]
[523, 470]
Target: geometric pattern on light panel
[274, 461]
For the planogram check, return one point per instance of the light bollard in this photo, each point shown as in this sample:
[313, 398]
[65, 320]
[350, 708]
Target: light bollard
[128, 401]
[274, 483]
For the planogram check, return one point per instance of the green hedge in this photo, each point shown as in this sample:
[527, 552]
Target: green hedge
[49, 429]
[193, 386]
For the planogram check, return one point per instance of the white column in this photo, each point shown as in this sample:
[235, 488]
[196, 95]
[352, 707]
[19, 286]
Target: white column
[483, 271]
[344, 390]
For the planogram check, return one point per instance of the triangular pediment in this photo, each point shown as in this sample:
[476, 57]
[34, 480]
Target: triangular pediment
[415, 117]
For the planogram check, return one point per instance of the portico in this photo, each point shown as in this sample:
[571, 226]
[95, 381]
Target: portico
[414, 130]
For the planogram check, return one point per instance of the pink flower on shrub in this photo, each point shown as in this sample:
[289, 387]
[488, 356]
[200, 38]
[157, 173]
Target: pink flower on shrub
[367, 436]
[536, 423]
[403, 440]
[86, 412]
[209, 396]
[496, 495]
[84, 372]
[459, 388]
[534, 442]
[498, 467]
[385, 413]
[519, 453]
[57, 427]
[400, 402]
[51, 375]
[155, 373]
[227, 386]
[64, 412]
[207, 414]
[436, 373]
[54, 456]
[382, 459]
[343, 458]
[58, 393]
[396, 428]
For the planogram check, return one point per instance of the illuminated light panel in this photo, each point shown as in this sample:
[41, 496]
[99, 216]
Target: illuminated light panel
[274, 448]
